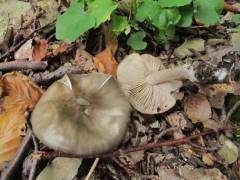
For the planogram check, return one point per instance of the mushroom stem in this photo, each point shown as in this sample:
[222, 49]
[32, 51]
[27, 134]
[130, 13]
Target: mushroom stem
[165, 75]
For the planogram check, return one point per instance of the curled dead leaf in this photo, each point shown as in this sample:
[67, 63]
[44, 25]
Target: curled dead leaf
[19, 89]
[63, 47]
[105, 62]
[21, 95]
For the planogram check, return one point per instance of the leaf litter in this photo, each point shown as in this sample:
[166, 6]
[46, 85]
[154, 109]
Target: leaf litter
[19, 96]
[200, 106]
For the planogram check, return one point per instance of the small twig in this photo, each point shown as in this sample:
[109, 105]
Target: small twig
[92, 169]
[164, 132]
[132, 171]
[15, 47]
[32, 18]
[231, 111]
[231, 8]
[10, 172]
[46, 77]
[35, 161]
[184, 140]
[22, 65]
[203, 148]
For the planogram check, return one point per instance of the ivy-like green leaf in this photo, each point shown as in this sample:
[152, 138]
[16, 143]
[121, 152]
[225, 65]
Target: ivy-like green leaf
[186, 19]
[136, 42]
[119, 24]
[173, 3]
[205, 12]
[166, 18]
[101, 10]
[147, 10]
[218, 5]
[73, 22]
[236, 19]
[166, 35]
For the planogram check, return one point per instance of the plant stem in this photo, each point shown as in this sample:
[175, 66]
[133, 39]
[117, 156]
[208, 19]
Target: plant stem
[165, 75]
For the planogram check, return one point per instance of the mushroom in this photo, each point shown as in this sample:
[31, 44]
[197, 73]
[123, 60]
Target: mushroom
[82, 114]
[148, 85]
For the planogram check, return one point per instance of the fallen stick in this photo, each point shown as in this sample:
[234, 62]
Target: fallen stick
[184, 140]
[22, 65]
[46, 77]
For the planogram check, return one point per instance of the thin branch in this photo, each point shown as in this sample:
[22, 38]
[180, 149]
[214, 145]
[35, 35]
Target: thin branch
[184, 140]
[231, 111]
[203, 148]
[32, 18]
[35, 161]
[46, 77]
[15, 47]
[92, 169]
[22, 65]
[10, 172]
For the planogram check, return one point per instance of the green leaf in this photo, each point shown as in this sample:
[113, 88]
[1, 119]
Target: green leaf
[236, 19]
[119, 24]
[136, 42]
[197, 44]
[174, 3]
[166, 18]
[186, 19]
[228, 150]
[205, 12]
[238, 28]
[166, 35]
[101, 10]
[147, 10]
[218, 5]
[73, 22]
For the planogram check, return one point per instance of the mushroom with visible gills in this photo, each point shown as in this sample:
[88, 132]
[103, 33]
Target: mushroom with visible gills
[148, 84]
[82, 114]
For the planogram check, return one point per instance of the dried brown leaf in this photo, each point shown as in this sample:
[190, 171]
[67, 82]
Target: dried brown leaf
[189, 173]
[63, 47]
[197, 108]
[19, 89]
[21, 95]
[105, 62]
[40, 50]
[25, 51]
[12, 125]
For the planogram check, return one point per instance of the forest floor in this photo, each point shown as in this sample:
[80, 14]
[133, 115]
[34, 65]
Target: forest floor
[197, 138]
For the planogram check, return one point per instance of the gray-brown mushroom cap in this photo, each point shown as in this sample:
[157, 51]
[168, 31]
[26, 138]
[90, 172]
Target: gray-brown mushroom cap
[147, 98]
[82, 114]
